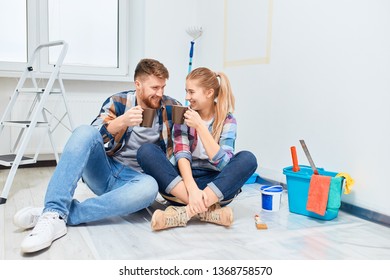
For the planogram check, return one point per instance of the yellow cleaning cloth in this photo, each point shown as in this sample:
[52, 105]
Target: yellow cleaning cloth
[348, 182]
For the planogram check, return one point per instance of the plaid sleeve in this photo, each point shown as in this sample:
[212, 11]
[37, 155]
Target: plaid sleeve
[226, 143]
[113, 107]
[181, 139]
[166, 132]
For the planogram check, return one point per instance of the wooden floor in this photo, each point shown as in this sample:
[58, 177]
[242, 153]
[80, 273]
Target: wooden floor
[288, 237]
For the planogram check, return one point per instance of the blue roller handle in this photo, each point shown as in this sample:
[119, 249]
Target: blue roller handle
[191, 55]
[190, 63]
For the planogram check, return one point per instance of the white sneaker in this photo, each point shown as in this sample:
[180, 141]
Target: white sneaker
[48, 228]
[27, 217]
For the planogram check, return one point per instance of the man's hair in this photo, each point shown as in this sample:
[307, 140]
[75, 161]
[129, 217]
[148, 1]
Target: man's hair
[148, 67]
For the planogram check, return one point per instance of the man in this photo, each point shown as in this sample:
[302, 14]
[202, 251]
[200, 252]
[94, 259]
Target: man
[104, 156]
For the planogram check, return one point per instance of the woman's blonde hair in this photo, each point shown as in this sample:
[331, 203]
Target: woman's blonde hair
[223, 95]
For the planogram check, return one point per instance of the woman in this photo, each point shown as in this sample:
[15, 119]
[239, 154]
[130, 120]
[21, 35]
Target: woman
[207, 173]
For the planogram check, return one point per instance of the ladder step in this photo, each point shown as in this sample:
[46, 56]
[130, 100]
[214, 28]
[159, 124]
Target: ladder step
[38, 90]
[8, 160]
[24, 124]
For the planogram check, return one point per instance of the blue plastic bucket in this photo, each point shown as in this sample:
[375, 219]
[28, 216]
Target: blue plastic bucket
[298, 184]
[271, 197]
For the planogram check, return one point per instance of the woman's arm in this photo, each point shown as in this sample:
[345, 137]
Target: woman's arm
[193, 119]
[195, 195]
[219, 153]
[183, 158]
[226, 143]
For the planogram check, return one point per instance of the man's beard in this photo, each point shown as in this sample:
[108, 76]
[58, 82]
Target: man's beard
[152, 102]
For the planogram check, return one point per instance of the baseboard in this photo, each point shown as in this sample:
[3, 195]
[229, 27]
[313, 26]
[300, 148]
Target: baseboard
[39, 163]
[365, 214]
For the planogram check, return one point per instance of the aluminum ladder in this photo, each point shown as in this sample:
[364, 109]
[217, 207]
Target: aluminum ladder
[38, 116]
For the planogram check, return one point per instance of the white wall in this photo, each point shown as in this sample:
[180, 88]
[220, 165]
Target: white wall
[327, 82]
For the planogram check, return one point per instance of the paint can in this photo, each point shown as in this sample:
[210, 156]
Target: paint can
[271, 197]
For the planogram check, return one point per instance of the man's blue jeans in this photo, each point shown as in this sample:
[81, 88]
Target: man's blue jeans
[226, 184]
[119, 190]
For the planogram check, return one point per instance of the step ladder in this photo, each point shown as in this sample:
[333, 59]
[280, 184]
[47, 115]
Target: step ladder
[38, 116]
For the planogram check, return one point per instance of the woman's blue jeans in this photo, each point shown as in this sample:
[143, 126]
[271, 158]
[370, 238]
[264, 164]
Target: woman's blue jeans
[119, 190]
[226, 184]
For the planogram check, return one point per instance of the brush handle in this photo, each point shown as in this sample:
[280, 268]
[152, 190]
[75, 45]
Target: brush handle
[306, 150]
[294, 159]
